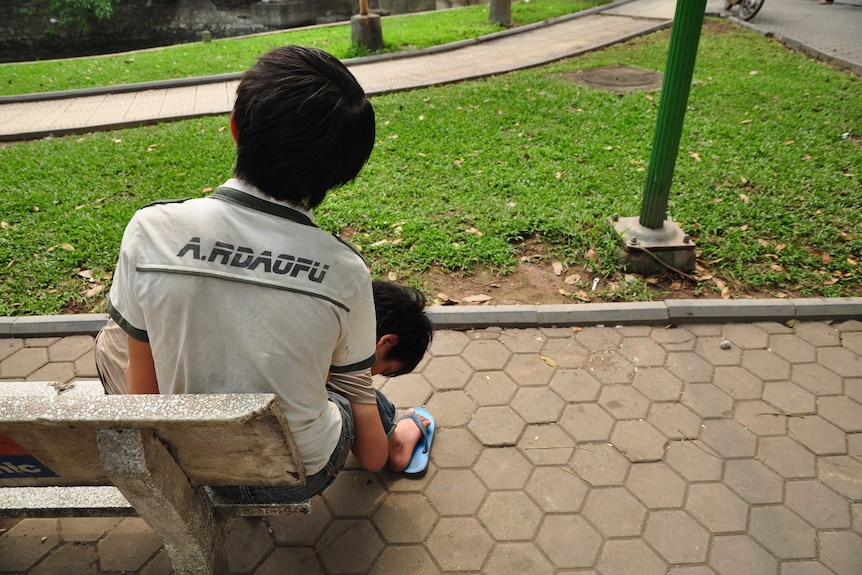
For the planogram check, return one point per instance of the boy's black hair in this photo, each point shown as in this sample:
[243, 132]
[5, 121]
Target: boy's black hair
[304, 125]
[401, 311]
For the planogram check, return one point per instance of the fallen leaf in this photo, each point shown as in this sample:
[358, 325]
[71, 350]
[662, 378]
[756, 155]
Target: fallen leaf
[561, 291]
[559, 175]
[753, 73]
[443, 299]
[744, 198]
[831, 281]
[743, 227]
[676, 286]
[762, 242]
[577, 329]
[478, 298]
[206, 190]
[694, 155]
[549, 361]
[393, 276]
[472, 230]
[379, 243]
[94, 291]
[725, 293]
[852, 262]
[558, 268]
[789, 142]
[4, 225]
[843, 235]
[86, 274]
[747, 121]
[720, 283]
[572, 279]
[778, 267]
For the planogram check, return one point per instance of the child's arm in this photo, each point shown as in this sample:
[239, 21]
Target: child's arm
[141, 370]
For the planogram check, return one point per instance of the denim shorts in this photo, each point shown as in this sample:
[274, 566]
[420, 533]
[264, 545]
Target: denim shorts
[319, 481]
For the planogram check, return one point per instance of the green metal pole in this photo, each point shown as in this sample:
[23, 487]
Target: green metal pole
[684, 38]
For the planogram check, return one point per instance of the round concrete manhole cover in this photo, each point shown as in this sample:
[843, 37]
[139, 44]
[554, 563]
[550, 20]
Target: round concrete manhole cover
[617, 79]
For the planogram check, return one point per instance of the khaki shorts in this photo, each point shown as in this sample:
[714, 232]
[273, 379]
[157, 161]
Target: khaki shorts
[112, 356]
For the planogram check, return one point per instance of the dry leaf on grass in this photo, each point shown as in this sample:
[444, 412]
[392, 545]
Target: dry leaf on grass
[477, 298]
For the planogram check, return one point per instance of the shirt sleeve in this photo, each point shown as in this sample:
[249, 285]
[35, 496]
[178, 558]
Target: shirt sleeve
[350, 372]
[123, 305]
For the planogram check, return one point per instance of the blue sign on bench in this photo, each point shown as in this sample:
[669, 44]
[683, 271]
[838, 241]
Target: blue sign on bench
[16, 462]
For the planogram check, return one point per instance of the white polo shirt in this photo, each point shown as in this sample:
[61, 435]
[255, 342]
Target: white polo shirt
[238, 293]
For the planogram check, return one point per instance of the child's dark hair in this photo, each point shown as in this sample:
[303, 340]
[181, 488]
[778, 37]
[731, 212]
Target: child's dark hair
[401, 311]
[304, 125]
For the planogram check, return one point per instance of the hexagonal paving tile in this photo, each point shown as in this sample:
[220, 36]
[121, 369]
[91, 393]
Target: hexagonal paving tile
[818, 505]
[818, 333]
[737, 554]
[639, 441]
[841, 411]
[448, 342]
[599, 338]
[459, 544]
[354, 493]
[760, 418]
[557, 489]
[496, 426]
[717, 507]
[456, 492]
[575, 385]
[614, 511]
[528, 340]
[407, 390]
[447, 372]
[629, 556]
[658, 384]
[569, 541]
[789, 398]
[484, 355]
[841, 551]
[745, 336]
[818, 435]
[816, 379]
[690, 367]
[129, 545]
[738, 383]
[793, 348]
[694, 462]
[842, 361]
[707, 400]
[728, 438]
[451, 408]
[537, 405]
[546, 444]
[643, 352]
[489, 388]
[609, 367]
[587, 422]
[503, 468]
[23, 545]
[786, 457]
[710, 349]
[566, 353]
[396, 560]
[300, 530]
[677, 537]
[675, 420]
[656, 485]
[455, 447]
[766, 365]
[405, 518]
[842, 474]
[517, 559]
[623, 402]
[352, 546]
[529, 369]
[782, 532]
[753, 481]
[600, 464]
[510, 515]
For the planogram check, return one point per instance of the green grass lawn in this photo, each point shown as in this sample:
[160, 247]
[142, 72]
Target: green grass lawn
[400, 33]
[766, 181]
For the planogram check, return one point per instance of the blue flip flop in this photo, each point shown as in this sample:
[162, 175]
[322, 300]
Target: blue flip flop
[421, 453]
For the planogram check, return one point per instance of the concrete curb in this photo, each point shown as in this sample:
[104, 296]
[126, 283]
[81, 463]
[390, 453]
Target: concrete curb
[533, 316]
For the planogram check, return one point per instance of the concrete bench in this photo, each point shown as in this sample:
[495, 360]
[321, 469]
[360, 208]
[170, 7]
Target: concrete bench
[69, 450]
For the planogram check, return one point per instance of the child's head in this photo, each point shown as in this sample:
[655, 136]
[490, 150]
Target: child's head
[302, 125]
[403, 330]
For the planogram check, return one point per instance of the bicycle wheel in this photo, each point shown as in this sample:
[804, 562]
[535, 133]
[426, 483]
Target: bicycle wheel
[748, 8]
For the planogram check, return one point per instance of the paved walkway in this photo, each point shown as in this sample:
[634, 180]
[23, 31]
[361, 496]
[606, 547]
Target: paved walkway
[827, 32]
[649, 439]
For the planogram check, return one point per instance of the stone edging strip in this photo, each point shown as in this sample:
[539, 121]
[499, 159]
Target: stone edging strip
[665, 312]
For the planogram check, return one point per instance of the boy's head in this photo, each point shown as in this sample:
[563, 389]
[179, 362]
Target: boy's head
[403, 330]
[302, 125]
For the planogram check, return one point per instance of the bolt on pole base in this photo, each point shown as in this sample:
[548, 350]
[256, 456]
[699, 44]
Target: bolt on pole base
[648, 250]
